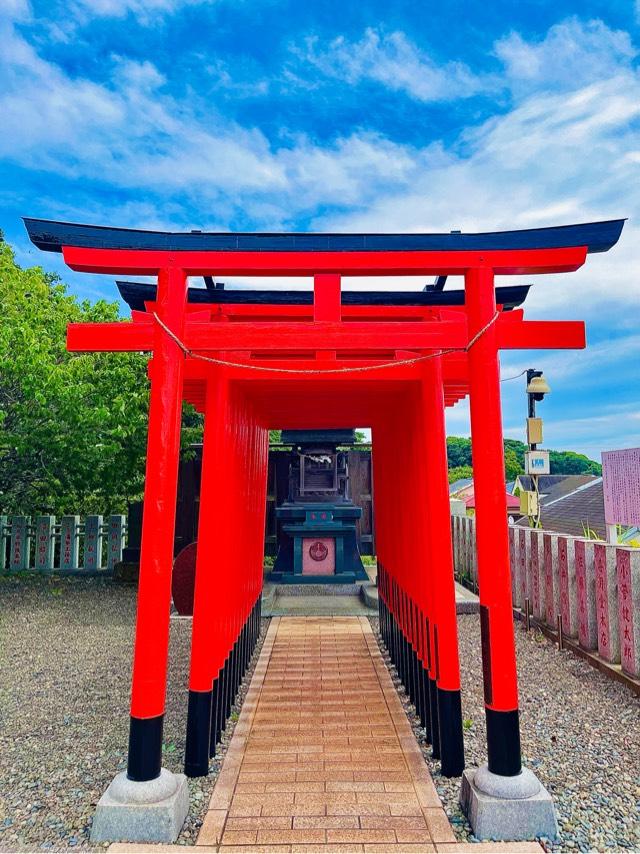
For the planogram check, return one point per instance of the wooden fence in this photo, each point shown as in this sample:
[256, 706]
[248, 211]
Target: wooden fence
[593, 588]
[69, 547]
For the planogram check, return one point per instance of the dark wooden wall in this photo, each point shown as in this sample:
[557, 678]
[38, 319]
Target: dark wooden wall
[361, 486]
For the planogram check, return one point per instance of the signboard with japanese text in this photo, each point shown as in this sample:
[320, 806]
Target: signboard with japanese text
[621, 483]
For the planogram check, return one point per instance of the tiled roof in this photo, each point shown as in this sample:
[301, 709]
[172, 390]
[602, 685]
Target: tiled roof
[554, 486]
[457, 485]
[576, 513]
[513, 502]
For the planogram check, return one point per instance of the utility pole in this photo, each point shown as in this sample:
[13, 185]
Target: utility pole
[536, 462]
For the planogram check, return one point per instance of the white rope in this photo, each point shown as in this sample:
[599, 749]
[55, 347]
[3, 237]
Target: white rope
[360, 369]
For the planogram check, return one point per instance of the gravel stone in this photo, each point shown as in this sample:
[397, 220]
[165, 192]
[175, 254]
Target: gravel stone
[580, 735]
[66, 647]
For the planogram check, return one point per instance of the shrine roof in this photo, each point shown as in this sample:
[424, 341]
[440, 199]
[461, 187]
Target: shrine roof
[51, 236]
[136, 294]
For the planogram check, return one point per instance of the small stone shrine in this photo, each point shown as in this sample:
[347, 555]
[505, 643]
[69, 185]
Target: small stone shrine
[318, 516]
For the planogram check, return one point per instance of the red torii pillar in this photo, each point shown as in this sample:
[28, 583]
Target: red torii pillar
[228, 564]
[445, 684]
[492, 536]
[158, 526]
[207, 642]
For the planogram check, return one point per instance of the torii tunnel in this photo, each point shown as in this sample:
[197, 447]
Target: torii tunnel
[258, 360]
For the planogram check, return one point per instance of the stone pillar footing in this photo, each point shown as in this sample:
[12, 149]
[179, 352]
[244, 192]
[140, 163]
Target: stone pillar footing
[507, 808]
[151, 811]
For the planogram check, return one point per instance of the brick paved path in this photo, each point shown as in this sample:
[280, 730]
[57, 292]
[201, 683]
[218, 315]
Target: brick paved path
[323, 757]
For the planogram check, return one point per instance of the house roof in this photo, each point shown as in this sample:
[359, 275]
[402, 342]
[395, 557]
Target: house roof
[513, 502]
[576, 513]
[554, 486]
[459, 484]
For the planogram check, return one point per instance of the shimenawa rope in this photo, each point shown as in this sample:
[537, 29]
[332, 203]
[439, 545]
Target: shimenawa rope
[360, 369]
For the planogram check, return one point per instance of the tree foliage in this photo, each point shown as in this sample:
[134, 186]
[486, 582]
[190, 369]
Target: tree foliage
[72, 426]
[460, 473]
[562, 462]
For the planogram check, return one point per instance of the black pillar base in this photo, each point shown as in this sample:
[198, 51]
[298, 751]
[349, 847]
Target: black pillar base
[145, 748]
[503, 742]
[196, 754]
[435, 723]
[215, 718]
[451, 740]
[417, 699]
[222, 692]
[425, 710]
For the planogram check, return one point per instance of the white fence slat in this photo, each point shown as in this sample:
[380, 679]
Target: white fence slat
[586, 582]
[44, 542]
[115, 542]
[607, 602]
[69, 540]
[20, 543]
[4, 538]
[93, 543]
[628, 570]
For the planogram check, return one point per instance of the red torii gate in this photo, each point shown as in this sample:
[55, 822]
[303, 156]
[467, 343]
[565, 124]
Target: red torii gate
[326, 364]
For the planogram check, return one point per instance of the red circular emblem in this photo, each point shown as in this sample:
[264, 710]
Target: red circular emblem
[318, 551]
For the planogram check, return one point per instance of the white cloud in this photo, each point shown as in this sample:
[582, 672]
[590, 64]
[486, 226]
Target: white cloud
[130, 133]
[608, 428]
[395, 62]
[623, 352]
[570, 55]
[567, 151]
[554, 158]
[16, 10]
[145, 11]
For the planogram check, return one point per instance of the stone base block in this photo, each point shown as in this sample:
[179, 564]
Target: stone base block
[153, 811]
[519, 807]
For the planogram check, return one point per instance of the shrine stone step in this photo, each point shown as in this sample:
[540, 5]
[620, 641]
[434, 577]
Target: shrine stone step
[312, 589]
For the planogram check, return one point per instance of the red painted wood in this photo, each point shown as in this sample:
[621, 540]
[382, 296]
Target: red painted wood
[321, 335]
[110, 337]
[326, 298]
[208, 643]
[158, 522]
[437, 519]
[348, 312]
[541, 334]
[324, 335]
[146, 262]
[492, 542]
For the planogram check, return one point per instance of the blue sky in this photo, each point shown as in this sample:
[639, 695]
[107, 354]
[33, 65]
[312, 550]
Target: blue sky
[267, 115]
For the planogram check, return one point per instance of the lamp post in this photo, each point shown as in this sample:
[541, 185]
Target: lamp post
[537, 387]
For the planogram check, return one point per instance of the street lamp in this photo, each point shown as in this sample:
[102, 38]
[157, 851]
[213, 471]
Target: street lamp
[536, 462]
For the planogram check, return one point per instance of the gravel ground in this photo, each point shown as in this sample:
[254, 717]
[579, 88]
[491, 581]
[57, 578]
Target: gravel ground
[580, 735]
[65, 667]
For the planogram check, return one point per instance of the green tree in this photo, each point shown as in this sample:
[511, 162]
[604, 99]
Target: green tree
[561, 462]
[72, 426]
[458, 451]
[459, 473]
[569, 462]
[512, 465]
